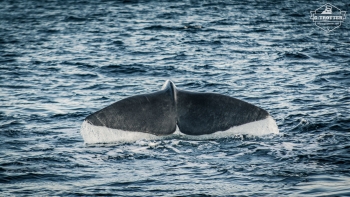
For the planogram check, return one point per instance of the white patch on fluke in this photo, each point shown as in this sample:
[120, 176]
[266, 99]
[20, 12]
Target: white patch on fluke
[98, 134]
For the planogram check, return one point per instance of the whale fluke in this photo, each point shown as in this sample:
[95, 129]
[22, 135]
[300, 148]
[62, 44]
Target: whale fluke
[206, 113]
[158, 114]
[153, 113]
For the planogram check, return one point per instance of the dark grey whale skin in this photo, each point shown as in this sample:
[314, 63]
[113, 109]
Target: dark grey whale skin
[195, 113]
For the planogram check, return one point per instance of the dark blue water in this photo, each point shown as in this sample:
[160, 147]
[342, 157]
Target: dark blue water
[61, 61]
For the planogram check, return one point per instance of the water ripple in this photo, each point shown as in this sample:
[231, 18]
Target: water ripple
[60, 61]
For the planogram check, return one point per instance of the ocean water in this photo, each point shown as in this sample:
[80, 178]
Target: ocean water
[63, 60]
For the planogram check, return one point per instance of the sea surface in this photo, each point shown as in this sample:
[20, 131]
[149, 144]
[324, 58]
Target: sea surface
[63, 60]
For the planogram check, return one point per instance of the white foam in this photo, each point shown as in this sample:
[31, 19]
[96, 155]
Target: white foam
[98, 134]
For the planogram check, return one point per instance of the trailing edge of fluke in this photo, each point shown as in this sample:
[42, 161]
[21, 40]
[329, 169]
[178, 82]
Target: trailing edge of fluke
[160, 112]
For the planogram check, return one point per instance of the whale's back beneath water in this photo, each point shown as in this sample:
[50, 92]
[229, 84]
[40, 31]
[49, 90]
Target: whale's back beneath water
[150, 116]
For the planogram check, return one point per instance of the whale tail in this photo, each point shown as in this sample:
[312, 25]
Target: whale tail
[160, 112]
